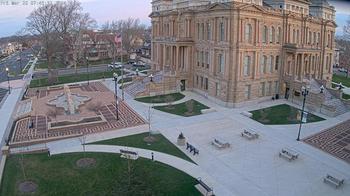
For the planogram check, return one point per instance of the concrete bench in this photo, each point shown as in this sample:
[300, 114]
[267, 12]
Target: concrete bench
[249, 134]
[220, 144]
[336, 182]
[129, 154]
[247, 114]
[203, 188]
[288, 154]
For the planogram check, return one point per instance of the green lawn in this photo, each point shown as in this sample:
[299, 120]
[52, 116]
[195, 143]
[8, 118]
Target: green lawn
[346, 96]
[181, 109]
[160, 98]
[162, 144]
[281, 115]
[129, 79]
[71, 79]
[344, 80]
[59, 175]
[44, 65]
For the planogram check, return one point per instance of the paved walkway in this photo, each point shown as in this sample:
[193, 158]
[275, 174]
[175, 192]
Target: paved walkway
[252, 168]
[191, 169]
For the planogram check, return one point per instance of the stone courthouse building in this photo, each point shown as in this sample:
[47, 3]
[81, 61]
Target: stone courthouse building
[242, 51]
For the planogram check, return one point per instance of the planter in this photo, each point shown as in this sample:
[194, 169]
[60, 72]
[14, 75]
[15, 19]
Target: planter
[181, 141]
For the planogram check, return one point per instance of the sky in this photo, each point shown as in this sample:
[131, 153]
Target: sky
[13, 17]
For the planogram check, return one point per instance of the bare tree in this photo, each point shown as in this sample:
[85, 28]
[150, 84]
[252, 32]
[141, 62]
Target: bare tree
[53, 113]
[190, 106]
[169, 100]
[131, 30]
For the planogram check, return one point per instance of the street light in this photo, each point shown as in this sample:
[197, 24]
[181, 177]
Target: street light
[304, 92]
[87, 69]
[151, 76]
[137, 71]
[8, 79]
[115, 78]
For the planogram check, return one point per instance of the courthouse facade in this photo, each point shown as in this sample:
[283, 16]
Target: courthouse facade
[241, 51]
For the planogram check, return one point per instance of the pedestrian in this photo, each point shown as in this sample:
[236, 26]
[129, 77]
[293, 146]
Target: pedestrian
[152, 156]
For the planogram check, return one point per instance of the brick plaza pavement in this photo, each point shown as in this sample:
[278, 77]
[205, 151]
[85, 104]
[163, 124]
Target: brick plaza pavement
[40, 131]
[335, 140]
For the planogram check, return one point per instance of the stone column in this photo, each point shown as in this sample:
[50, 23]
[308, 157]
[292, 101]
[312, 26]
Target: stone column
[302, 67]
[177, 58]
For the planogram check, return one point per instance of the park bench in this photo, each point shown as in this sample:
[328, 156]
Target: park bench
[289, 154]
[337, 182]
[192, 148]
[129, 154]
[220, 143]
[249, 134]
[203, 188]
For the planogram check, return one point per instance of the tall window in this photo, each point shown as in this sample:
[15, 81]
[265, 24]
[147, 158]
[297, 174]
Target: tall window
[263, 62]
[248, 33]
[206, 84]
[272, 35]
[222, 31]
[247, 92]
[246, 69]
[217, 89]
[265, 34]
[310, 37]
[276, 87]
[298, 36]
[279, 35]
[221, 63]
[202, 31]
[207, 59]
[314, 42]
[198, 31]
[293, 35]
[202, 58]
[277, 62]
[271, 64]
[269, 88]
[208, 31]
[262, 89]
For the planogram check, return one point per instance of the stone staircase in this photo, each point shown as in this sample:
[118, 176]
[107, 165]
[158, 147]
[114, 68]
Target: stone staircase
[330, 102]
[139, 86]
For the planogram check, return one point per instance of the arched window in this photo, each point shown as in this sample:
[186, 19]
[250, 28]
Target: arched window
[293, 36]
[246, 69]
[279, 35]
[298, 36]
[248, 33]
[272, 59]
[265, 35]
[263, 62]
[272, 35]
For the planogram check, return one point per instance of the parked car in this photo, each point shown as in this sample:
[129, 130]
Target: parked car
[116, 65]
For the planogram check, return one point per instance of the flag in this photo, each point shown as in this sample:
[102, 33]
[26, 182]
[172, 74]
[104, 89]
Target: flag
[118, 39]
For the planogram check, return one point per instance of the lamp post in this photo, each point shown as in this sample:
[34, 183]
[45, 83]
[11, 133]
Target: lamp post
[137, 71]
[122, 69]
[115, 78]
[151, 76]
[87, 69]
[304, 92]
[8, 79]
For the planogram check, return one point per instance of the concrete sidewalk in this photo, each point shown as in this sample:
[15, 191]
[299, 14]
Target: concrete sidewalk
[189, 168]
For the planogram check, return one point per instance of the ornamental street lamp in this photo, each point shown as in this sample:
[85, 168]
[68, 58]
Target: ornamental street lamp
[151, 76]
[87, 69]
[304, 92]
[115, 78]
[8, 79]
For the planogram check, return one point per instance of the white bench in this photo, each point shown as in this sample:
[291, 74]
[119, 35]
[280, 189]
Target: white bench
[220, 143]
[127, 154]
[250, 134]
[289, 154]
[337, 182]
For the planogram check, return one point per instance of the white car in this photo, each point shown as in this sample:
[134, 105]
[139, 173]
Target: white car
[116, 65]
